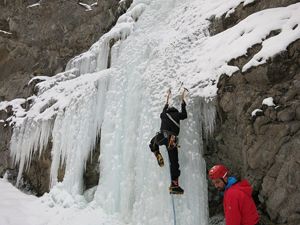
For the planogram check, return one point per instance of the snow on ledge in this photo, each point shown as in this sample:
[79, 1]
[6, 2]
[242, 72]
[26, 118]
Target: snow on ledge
[15, 104]
[218, 8]
[286, 20]
[247, 2]
[211, 59]
[5, 32]
[34, 5]
[87, 6]
[41, 78]
[254, 112]
[268, 101]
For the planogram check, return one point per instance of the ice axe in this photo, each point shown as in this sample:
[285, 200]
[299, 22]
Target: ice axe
[184, 90]
[168, 96]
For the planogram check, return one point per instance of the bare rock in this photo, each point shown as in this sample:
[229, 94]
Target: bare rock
[263, 148]
[286, 115]
[297, 112]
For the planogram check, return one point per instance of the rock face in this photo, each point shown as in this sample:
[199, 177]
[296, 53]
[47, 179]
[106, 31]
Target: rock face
[39, 38]
[263, 147]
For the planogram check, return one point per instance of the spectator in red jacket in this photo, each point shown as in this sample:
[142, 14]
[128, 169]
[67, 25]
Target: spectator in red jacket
[239, 206]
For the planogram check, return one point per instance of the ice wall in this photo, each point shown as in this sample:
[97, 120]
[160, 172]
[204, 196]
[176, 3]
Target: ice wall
[131, 183]
[124, 102]
[70, 115]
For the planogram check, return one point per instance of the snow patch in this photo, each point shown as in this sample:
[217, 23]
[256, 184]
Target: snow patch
[283, 19]
[19, 208]
[34, 5]
[254, 112]
[213, 53]
[268, 101]
[39, 78]
[87, 6]
[247, 2]
[218, 8]
[5, 32]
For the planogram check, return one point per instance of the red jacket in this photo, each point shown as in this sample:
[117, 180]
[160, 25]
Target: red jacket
[239, 207]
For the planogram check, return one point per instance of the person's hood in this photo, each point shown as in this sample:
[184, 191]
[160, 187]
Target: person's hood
[244, 186]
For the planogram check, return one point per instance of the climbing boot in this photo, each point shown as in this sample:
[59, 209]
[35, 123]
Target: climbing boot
[160, 159]
[175, 188]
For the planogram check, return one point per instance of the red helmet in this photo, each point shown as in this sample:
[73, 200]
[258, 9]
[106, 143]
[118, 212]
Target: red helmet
[218, 171]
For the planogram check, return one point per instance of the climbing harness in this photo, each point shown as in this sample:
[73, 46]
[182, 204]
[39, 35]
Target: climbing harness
[172, 142]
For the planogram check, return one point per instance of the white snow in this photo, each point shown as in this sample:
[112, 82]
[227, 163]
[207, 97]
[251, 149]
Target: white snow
[247, 2]
[18, 208]
[16, 107]
[157, 46]
[94, 4]
[254, 112]
[40, 78]
[5, 32]
[34, 5]
[284, 19]
[268, 101]
[86, 6]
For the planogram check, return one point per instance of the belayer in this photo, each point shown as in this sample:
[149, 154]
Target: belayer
[169, 130]
[239, 206]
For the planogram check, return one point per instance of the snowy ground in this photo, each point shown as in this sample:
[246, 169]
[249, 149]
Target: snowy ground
[158, 45]
[17, 208]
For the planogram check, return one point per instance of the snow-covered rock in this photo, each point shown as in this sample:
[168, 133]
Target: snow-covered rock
[268, 101]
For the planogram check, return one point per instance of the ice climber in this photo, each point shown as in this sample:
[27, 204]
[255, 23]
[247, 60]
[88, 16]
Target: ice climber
[239, 206]
[169, 130]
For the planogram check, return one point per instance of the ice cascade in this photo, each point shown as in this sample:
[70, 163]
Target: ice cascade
[116, 90]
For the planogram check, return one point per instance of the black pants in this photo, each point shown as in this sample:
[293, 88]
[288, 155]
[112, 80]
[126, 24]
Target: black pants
[161, 139]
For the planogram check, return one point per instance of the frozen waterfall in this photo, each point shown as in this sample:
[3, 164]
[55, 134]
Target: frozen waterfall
[117, 90]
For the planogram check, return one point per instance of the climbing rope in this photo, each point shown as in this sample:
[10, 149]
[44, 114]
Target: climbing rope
[174, 212]
[172, 197]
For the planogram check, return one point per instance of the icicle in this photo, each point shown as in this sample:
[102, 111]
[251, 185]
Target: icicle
[207, 110]
[74, 135]
[28, 139]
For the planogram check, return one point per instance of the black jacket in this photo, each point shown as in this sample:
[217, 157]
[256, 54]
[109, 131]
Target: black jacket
[167, 124]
